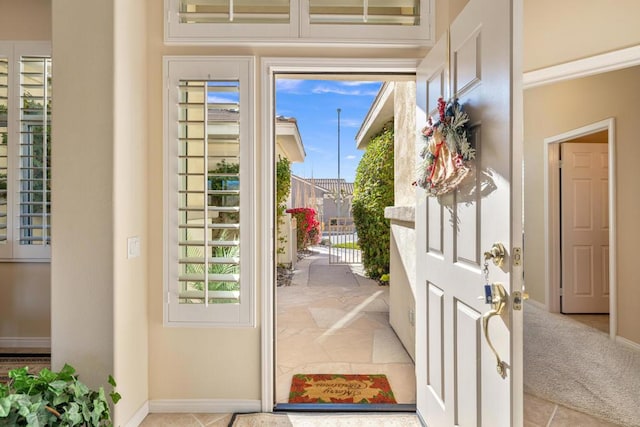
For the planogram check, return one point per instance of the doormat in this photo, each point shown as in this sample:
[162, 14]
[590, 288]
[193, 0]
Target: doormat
[35, 363]
[336, 388]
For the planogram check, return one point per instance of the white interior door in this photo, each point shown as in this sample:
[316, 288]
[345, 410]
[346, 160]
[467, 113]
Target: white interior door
[457, 378]
[585, 228]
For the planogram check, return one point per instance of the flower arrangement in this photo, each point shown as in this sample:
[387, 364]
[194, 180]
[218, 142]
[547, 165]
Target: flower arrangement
[446, 151]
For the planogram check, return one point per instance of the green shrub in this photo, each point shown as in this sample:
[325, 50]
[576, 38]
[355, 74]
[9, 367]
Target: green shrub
[373, 191]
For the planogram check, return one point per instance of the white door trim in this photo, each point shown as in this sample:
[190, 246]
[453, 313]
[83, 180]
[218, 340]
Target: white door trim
[269, 67]
[552, 219]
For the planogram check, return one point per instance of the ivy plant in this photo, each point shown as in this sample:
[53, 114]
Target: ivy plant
[53, 399]
[283, 187]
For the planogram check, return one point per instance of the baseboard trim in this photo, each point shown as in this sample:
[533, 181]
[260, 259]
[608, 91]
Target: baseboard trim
[25, 342]
[206, 406]
[139, 416]
[628, 343]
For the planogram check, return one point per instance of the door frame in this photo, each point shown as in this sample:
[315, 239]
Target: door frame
[552, 219]
[269, 67]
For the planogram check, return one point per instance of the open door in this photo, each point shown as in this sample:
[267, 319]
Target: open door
[468, 361]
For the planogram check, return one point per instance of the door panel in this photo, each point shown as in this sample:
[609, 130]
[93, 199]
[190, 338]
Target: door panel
[457, 379]
[585, 228]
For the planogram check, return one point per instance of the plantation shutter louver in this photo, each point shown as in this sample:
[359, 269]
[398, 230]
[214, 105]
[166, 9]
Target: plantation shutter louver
[370, 12]
[4, 147]
[34, 176]
[209, 192]
[209, 228]
[237, 11]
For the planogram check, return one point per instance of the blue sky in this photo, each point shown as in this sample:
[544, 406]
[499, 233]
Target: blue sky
[314, 104]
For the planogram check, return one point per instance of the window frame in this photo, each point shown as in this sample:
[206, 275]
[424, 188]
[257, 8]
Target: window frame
[175, 69]
[177, 33]
[300, 30]
[12, 250]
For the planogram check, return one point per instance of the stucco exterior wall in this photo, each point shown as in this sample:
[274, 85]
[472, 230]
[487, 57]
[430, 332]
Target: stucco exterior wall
[558, 108]
[402, 280]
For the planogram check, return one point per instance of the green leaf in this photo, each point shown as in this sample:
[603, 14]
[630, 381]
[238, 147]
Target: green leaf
[115, 397]
[5, 406]
[112, 381]
[46, 375]
[66, 373]
[72, 415]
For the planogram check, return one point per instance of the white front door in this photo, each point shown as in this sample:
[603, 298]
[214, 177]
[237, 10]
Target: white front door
[585, 228]
[458, 382]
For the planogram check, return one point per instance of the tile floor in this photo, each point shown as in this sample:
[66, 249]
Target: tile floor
[331, 321]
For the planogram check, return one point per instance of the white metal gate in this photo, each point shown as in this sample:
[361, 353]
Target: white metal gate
[343, 248]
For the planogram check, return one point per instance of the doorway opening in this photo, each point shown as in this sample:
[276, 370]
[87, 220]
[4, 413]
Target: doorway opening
[331, 320]
[568, 291]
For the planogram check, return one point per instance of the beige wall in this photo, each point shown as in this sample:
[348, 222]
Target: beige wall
[555, 109]
[560, 31]
[99, 297]
[25, 20]
[130, 146]
[25, 300]
[25, 297]
[82, 266]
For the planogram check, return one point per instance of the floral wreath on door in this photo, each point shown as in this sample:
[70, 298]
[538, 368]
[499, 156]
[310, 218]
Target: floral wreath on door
[447, 150]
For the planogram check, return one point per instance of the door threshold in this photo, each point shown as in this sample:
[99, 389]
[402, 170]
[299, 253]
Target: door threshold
[344, 407]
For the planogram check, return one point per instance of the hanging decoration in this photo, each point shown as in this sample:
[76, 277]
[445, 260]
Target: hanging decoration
[447, 150]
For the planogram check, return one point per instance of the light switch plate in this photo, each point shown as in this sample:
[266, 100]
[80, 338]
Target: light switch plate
[133, 247]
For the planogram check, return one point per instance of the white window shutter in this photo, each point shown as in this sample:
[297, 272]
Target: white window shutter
[209, 138]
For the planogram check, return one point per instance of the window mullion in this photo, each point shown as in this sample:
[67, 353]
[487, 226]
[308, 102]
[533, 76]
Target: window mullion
[45, 150]
[205, 177]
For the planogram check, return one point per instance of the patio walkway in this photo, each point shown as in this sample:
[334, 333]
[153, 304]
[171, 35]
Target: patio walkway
[333, 320]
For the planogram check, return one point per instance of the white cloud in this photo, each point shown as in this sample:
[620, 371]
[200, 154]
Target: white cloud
[350, 157]
[313, 148]
[221, 99]
[342, 91]
[288, 85]
[358, 83]
[350, 123]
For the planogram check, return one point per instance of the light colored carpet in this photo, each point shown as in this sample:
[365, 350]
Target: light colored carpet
[580, 367]
[324, 420]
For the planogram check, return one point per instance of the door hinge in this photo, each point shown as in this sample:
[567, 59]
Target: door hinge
[517, 257]
[560, 163]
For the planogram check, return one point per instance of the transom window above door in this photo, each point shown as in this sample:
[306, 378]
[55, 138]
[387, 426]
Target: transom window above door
[395, 22]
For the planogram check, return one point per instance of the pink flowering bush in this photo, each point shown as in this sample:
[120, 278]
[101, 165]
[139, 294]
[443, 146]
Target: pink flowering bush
[308, 232]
